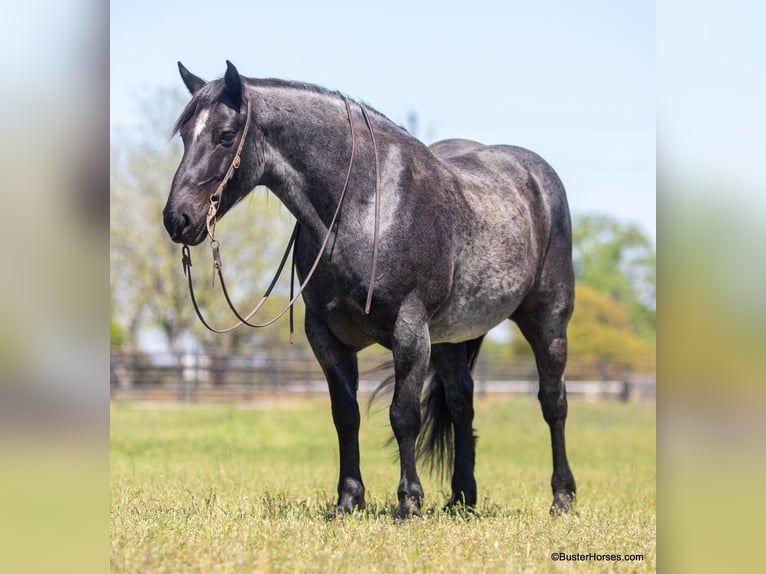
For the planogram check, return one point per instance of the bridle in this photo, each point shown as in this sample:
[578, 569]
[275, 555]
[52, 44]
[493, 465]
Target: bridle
[215, 202]
[215, 199]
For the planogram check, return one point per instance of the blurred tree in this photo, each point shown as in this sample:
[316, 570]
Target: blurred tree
[148, 287]
[619, 260]
[613, 329]
[601, 339]
[116, 333]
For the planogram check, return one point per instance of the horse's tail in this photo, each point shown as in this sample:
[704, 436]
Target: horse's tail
[435, 441]
[436, 438]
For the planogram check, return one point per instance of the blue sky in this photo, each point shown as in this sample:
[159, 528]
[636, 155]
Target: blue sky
[573, 81]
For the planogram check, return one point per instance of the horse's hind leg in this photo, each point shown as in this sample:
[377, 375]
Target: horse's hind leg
[411, 347]
[341, 370]
[453, 364]
[544, 326]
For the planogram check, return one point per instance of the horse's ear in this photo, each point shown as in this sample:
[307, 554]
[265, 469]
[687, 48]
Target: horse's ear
[233, 83]
[192, 82]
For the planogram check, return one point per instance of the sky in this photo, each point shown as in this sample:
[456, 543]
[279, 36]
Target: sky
[573, 81]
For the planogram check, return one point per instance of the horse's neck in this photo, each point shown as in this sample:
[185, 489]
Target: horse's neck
[308, 151]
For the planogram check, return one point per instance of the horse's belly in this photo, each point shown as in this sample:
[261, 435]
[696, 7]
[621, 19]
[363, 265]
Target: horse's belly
[495, 266]
[473, 308]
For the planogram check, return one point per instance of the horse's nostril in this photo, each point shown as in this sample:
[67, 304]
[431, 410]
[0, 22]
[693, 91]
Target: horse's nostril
[176, 223]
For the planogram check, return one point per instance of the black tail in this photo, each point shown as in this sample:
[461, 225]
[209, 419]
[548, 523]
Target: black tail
[435, 441]
[435, 420]
[385, 386]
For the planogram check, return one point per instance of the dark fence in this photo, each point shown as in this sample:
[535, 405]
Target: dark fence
[202, 377]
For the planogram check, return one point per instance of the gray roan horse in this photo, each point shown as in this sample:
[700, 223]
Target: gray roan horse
[468, 235]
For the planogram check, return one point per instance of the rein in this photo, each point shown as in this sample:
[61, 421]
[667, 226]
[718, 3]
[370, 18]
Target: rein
[215, 202]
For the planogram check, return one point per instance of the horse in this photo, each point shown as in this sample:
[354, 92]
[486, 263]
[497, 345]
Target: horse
[420, 249]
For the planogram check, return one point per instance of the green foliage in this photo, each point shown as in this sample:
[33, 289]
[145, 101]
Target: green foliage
[613, 327]
[618, 259]
[227, 489]
[117, 335]
[602, 340]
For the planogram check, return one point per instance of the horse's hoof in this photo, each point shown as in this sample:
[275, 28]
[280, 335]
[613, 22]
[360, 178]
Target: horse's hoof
[460, 509]
[338, 512]
[563, 503]
[347, 503]
[408, 508]
[465, 500]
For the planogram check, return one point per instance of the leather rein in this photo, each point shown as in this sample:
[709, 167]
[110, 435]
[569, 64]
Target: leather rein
[215, 202]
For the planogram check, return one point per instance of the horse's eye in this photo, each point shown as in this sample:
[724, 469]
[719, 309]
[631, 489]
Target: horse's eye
[226, 139]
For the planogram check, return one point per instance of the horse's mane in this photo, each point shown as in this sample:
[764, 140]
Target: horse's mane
[211, 92]
[206, 96]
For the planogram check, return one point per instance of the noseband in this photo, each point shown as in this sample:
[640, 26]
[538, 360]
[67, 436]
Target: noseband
[215, 202]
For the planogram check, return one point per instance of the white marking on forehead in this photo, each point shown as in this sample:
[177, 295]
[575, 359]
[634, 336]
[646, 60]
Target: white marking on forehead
[201, 123]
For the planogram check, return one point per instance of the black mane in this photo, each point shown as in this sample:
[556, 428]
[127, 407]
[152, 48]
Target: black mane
[212, 91]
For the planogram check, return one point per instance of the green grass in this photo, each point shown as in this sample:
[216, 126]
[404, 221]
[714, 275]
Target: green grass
[221, 488]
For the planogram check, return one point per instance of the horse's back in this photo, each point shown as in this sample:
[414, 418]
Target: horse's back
[504, 181]
[490, 163]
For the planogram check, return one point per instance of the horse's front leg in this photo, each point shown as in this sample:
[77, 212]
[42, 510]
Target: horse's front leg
[411, 348]
[341, 370]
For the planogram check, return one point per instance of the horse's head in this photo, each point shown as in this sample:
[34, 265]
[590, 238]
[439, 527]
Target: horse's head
[211, 127]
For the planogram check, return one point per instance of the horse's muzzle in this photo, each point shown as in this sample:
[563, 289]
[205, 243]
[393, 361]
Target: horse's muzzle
[178, 225]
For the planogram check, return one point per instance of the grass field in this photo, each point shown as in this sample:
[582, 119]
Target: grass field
[227, 488]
